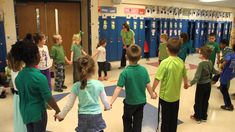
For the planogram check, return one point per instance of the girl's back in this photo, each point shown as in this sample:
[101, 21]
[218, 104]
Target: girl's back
[89, 97]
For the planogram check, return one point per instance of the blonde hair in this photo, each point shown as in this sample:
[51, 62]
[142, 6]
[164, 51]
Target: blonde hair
[164, 36]
[56, 38]
[86, 67]
[76, 37]
[134, 53]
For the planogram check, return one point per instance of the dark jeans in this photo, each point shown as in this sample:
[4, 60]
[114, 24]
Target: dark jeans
[47, 73]
[102, 67]
[224, 90]
[146, 55]
[202, 96]
[132, 117]
[123, 59]
[168, 116]
[75, 72]
[39, 126]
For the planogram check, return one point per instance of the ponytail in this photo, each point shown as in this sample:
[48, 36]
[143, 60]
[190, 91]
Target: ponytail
[85, 67]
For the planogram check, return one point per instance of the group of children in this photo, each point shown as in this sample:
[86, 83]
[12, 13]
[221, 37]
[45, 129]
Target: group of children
[31, 97]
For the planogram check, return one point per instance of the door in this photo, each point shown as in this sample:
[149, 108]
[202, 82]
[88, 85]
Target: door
[50, 19]
[2, 47]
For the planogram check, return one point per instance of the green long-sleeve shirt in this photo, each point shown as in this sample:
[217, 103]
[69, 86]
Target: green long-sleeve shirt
[58, 54]
[204, 72]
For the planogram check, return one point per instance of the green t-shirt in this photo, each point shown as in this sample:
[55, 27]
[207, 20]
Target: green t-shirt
[170, 73]
[77, 51]
[215, 49]
[33, 91]
[88, 97]
[203, 74]
[163, 51]
[58, 54]
[128, 36]
[135, 79]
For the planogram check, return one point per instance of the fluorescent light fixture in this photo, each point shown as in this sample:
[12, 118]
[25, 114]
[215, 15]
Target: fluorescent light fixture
[211, 0]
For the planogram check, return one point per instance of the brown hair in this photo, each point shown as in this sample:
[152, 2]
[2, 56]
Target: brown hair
[102, 42]
[164, 36]
[184, 36]
[134, 53]
[86, 67]
[13, 64]
[56, 38]
[126, 26]
[38, 37]
[174, 45]
[206, 51]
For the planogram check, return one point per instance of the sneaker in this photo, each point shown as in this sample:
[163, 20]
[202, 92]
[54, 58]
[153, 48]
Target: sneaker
[100, 78]
[195, 119]
[58, 90]
[106, 78]
[64, 87]
[229, 108]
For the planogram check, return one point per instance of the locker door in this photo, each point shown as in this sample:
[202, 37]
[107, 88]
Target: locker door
[153, 44]
[197, 31]
[2, 47]
[225, 30]
[141, 34]
[111, 48]
[218, 32]
[201, 35]
[184, 26]
[175, 28]
[119, 22]
[136, 29]
[158, 33]
[206, 32]
[171, 29]
[104, 33]
[148, 33]
[229, 30]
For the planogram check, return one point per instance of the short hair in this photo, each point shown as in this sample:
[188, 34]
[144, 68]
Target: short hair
[174, 45]
[212, 35]
[134, 53]
[224, 42]
[164, 36]
[56, 37]
[206, 51]
[126, 26]
[184, 36]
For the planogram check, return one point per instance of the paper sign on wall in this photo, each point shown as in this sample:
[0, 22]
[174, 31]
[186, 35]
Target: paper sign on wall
[107, 9]
[138, 11]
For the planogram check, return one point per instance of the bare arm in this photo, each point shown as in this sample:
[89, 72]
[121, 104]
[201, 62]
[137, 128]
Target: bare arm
[84, 53]
[155, 83]
[71, 56]
[151, 92]
[186, 85]
[115, 94]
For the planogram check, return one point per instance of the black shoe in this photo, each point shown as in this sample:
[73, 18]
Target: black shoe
[3, 95]
[229, 108]
[58, 90]
[121, 67]
[64, 87]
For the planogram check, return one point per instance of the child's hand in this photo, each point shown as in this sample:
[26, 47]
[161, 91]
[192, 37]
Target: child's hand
[58, 118]
[154, 96]
[186, 86]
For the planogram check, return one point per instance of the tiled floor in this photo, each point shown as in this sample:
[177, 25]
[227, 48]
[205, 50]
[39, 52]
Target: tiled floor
[218, 120]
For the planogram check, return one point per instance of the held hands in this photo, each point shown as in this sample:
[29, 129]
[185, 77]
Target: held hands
[124, 46]
[154, 96]
[56, 116]
[186, 85]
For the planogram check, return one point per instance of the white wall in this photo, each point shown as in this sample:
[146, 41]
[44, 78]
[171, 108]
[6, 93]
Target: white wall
[9, 22]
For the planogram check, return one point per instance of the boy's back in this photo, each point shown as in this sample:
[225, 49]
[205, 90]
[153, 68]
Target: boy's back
[134, 78]
[170, 72]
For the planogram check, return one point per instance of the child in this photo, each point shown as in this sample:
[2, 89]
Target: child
[135, 79]
[15, 67]
[185, 47]
[32, 87]
[146, 50]
[227, 74]
[203, 89]
[45, 60]
[170, 72]
[76, 52]
[88, 92]
[58, 55]
[224, 47]
[162, 54]
[101, 59]
[215, 48]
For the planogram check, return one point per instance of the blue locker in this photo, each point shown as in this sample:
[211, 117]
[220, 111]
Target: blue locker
[205, 29]
[218, 32]
[141, 34]
[3, 51]
[197, 34]
[229, 31]
[136, 29]
[225, 32]
[202, 33]
[119, 22]
[153, 45]
[184, 26]
[158, 33]
[191, 32]
[111, 47]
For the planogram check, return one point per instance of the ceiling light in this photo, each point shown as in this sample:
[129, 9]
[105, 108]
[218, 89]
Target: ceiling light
[211, 0]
